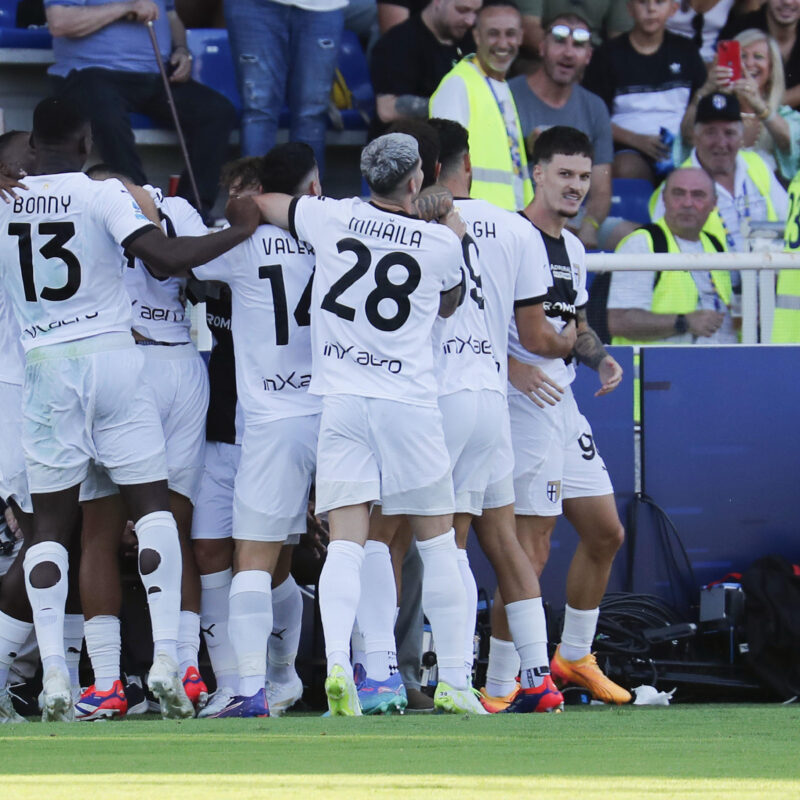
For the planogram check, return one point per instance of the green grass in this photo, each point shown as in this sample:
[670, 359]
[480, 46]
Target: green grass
[719, 751]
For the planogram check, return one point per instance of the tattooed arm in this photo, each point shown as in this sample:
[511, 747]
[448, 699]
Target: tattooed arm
[391, 107]
[589, 350]
[434, 202]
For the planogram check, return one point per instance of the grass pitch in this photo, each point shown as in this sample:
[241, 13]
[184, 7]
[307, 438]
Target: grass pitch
[708, 752]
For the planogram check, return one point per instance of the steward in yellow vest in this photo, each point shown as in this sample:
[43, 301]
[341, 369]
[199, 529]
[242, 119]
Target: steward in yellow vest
[488, 112]
[786, 322]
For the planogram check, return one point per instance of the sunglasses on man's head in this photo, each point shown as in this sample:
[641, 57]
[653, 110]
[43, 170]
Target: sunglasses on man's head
[580, 36]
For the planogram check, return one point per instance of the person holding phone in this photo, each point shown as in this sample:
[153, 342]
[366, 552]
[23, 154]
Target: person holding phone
[751, 68]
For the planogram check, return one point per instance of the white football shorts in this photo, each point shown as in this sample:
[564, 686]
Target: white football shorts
[373, 449]
[213, 511]
[555, 456]
[13, 478]
[472, 422]
[270, 497]
[85, 401]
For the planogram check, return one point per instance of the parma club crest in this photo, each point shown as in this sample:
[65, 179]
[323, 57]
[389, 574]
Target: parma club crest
[553, 491]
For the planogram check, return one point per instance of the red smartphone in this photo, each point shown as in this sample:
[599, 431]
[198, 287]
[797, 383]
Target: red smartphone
[729, 54]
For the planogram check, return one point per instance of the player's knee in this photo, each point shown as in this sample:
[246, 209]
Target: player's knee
[212, 555]
[44, 575]
[149, 561]
[607, 540]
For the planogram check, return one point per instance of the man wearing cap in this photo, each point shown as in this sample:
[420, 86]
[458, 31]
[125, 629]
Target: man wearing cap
[746, 188]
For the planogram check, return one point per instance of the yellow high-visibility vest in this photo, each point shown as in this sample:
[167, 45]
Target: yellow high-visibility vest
[489, 146]
[786, 322]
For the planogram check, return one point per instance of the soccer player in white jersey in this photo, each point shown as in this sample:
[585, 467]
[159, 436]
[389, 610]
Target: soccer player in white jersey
[381, 277]
[473, 405]
[81, 397]
[556, 462]
[178, 379]
[270, 279]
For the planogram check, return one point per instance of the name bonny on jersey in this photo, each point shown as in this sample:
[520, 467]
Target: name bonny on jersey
[386, 230]
[362, 357]
[42, 204]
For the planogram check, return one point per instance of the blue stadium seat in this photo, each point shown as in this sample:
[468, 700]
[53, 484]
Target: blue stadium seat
[8, 13]
[33, 38]
[213, 62]
[629, 199]
[352, 64]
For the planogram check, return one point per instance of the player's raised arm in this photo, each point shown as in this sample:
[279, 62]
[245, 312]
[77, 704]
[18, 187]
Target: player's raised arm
[275, 209]
[179, 254]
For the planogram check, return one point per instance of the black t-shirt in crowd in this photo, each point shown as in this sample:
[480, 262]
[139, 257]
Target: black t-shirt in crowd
[758, 19]
[409, 59]
[221, 417]
[634, 85]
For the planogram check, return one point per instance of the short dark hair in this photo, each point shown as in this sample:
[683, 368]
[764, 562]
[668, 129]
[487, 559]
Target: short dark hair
[563, 141]
[453, 142]
[489, 4]
[285, 166]
[56, 121]
[428, 142]
[7, 139]
[101, 172]
[244, 171]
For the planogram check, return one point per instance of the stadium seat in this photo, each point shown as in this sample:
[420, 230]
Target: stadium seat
[28, 38]
[352, 64]
[8, 13]
[629, 199]
[213, 62]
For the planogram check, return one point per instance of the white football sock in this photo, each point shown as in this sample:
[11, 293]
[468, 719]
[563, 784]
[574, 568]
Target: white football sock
[48, 604]
[578, 634]
[103, 645]
[158, 532]
[444, 602]
[188, 640]
[73, 642]
[503, 668]
[249, 625]
[528, 628]
[215, 590]
[287, 621]
[358, 646]
[13, 634]
[376, 611]
[471, 588]
[339, 590]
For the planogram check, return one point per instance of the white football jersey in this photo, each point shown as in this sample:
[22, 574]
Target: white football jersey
[270, 277]
[12, 356]
[60, 260]
[462, 346]
[511, 258]
[376, 295]
[159, 304]
[566, 263]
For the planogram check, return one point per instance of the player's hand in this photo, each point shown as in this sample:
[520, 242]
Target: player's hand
[433, 203]
[9, 182]
[453, 221]
[181, 61]
[243, 212]
[534, 383]
[12, 523]
[610, 373]
[704, 322]
[569, 333]
[142, 11]
[653, 147]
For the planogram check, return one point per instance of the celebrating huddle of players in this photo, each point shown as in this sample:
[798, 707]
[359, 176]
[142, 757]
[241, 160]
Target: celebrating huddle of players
[374, 343]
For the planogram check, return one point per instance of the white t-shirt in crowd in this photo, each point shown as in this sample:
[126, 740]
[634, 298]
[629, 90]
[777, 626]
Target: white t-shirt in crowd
[377, 286]
[60, 259]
